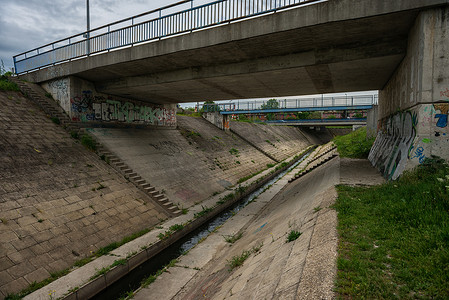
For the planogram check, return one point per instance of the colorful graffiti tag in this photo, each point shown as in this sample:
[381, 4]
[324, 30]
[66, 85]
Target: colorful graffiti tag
[442, 117]
[88, 108]
[393, 146]
[445, 93]
[419, 154]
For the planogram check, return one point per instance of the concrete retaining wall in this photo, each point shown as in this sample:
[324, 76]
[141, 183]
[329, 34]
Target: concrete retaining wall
[221, 121]
[84, 104]
[371, 121]
[414, 105]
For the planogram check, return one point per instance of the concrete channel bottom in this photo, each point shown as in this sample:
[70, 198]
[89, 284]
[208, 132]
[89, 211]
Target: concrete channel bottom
[275, 269]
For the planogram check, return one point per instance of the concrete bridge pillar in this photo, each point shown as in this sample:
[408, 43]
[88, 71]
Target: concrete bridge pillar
[414, 104]
[219, 120]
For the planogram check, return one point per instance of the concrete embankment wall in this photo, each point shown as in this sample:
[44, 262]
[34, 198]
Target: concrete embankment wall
[413, 106]
[58, 201]
[278, 142]
[198, 159]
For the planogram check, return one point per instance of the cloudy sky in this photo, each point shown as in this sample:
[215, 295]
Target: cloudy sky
[28, 24]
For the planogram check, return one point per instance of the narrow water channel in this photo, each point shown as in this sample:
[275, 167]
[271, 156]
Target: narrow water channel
[132, 281]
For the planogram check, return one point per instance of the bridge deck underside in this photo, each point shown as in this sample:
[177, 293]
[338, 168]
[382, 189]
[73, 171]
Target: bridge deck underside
[254, 58]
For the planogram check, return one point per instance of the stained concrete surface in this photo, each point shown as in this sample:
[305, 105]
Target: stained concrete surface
[280, 270]
[302, 269]
[279, 142]
[196, 160]
[58, 201]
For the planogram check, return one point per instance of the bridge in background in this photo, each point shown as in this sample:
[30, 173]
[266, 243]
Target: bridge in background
[320, 122]
[352, 103]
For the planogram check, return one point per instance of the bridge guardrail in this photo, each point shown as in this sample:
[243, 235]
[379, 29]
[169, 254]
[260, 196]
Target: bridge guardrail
[178, 18]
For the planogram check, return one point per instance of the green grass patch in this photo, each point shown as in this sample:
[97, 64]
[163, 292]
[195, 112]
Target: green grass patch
[152, 278]
[234, 151]
[226, 198]
[34, 286]
[354, 145]
[6, 85]
[293, 235]
[56, 120]
[172, 229]
[193, 133]
[394, 237]
[203, 212]
[233, 238]
[88, 142]
[238, 260]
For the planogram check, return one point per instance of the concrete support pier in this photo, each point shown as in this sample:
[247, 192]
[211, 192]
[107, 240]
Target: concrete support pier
[414, 104]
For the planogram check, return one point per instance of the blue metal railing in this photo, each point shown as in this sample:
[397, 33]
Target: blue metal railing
[286, 105]
[178, 18]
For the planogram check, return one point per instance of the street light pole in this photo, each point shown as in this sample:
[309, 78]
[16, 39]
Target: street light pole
[88, 27]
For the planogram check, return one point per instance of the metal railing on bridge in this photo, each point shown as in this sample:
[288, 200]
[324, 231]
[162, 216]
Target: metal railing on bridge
[361, 102]
[179, 18]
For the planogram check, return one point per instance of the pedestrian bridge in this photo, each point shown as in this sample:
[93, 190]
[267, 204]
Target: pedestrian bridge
[320, 122]
[345, 103]
[234, 49]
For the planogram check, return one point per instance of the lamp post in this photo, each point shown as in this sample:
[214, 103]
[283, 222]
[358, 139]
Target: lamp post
[88, 27]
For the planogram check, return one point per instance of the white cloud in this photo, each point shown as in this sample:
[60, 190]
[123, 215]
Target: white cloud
[28, 24]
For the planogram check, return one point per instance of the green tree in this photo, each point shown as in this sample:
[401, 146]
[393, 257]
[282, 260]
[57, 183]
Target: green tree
[271, 104]
[303, 115]
[211, 106]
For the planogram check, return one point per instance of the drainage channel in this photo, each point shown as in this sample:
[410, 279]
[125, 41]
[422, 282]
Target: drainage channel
[132, 280]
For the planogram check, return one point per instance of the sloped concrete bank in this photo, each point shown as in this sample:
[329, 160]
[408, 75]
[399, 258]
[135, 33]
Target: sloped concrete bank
[89, 280]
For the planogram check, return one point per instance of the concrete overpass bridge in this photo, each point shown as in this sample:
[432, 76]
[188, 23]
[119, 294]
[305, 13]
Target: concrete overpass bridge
[266, 49]
[231, 49]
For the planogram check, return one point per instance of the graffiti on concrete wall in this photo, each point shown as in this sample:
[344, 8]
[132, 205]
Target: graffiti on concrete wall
[60, 91]
[400, 145]
[418, 154]
[89, 107]
[444, 93]
[394, 144]
[221, 121]
[442, 116]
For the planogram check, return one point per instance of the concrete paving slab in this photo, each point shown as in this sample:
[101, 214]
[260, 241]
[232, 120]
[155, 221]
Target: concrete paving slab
[277, 269]
[199, 256]
[167, 285]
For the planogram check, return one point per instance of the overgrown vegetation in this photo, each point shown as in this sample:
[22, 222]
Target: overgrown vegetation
[172, 229]
[56, 120]
[234, 151]
[203, 212]
[104, 270]
[271, 104]
[5, 84]
[150, 279]
[354, 145]
[293, 235]
[53, 276]
[232, 238]
[238, 260]
[88, 142]
[193, 133]
[394, 237]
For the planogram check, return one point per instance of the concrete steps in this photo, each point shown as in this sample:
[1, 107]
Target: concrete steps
[52, 108]
[322, 156]
[157, 196]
